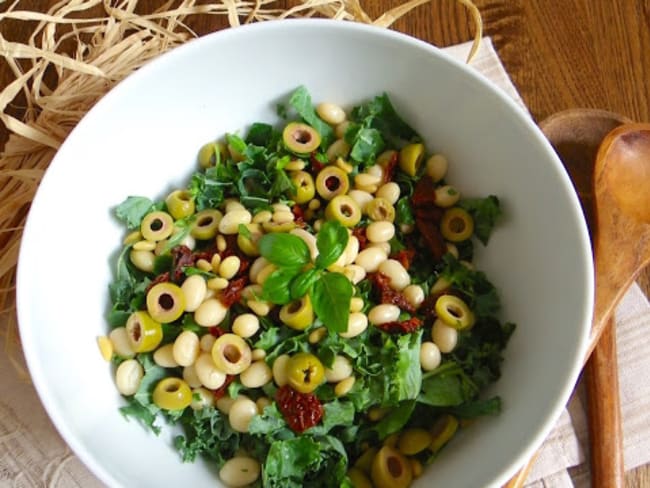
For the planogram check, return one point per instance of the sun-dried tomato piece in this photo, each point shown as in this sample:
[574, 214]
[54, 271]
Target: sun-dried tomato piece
[385, 294]
[216, 331]
[430, 213]
[161, 278]
[300, 410]
[405, 257]
[389, 170]
[221, 391]
[316, 165]
[432, 237]
[360, 234]
[232, 293]
[299, 215]
[424, 193]
[401, 327]
[181, 257]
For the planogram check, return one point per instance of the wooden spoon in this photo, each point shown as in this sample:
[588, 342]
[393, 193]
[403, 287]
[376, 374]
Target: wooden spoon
[599, 149]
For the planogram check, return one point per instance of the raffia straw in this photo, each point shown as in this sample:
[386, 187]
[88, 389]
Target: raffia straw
[106, 48]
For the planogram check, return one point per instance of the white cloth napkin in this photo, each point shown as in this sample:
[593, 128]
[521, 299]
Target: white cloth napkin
[32, 454]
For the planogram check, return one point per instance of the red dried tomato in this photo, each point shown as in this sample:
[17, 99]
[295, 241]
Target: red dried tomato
[389, 170]
[300, 410]
[433, 238]
[316, 165]
[161, 278]
[386, 294]
[232, 293]
[181, 256]
[405, 257]
[403, 327]
[360, 234]
[216, 331]
[424, 193]
[221, 391]
[299, 215]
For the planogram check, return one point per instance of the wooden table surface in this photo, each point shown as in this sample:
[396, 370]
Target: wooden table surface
[560, 54]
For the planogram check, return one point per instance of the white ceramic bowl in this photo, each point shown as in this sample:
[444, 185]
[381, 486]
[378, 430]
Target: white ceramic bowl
[142, 139]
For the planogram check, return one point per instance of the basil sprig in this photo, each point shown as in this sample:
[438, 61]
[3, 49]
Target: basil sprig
[297, 276]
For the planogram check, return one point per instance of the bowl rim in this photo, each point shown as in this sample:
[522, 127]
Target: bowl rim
[27, 332]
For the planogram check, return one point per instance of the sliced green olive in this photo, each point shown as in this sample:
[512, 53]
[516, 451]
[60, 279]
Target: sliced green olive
[298, 314]
[165, 302]
[456, 225]
[305, 372]
[359, 478]
[442, 431]
[304, 184]
[180, 204]
[278, 226]
[332, 181]
[206, 224]
[364, 463]
[454, 312]
[410, 158]
[413, 441]
[380, 209]
[390, 469]
[231, 354]
[156, 226]
[172, 394]
[211, 153]
[300, 138]
[144, 332]
[344, 209]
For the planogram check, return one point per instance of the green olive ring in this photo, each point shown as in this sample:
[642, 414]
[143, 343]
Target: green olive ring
[206, 224]
[344, 209]
[157, 226]
[454, 312]
[332, 181]
[456, 225]
[300, 138]
[180, 204]
[165, 302]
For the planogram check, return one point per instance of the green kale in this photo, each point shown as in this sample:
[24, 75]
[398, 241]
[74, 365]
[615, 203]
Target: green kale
[132, 210]
[141, 406]
[485, 212]
[301, 102]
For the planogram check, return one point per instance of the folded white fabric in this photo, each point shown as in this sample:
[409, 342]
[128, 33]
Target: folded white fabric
[33, 454]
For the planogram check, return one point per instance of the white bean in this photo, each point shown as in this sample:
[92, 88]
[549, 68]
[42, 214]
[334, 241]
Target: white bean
[229, 267]
[370, 259]
[446, 196]
[341, 369]
[246, 325]
[361, 197]
[121, 343]
[128, 376]
[208, 373]
[384, 246]
[331, 113]
[390, 191]
[429, 356]
[190, 376]
[164, 356]
[262, 216]
[366, 180]
[143, 260]
[262, 403]
[229, 224]
[221, 243]
[399, 277]
[260, 308]
[241, 412]
[194, 288]
[338, 150]
[224, 403]
[376, 170]
[258, 265]
[356, 304]
[436, 167]
[380, 231]
[344, 386]
[233, 204]
[283, 217]
[443, 336]
[186, 348]
[210, 313]
[357, 324]
[265, 273]
[383, 313]
[205, 398]
[256, 375]
[281, 207]
[279, 369]
[354, 273]
[239, 471]
[206, 342]
[339, 130]
[257, 354]
[414, 294]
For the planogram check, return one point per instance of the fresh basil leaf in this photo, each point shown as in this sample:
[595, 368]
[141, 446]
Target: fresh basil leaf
[132, 210]
[284, 249]
[276, 287]
[404, 212]
[301, 101]
[303, 282]
[330, 297]
[330, 241]
[485, 212]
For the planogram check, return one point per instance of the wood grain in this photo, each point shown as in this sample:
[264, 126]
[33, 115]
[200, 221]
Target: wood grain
[560, 54]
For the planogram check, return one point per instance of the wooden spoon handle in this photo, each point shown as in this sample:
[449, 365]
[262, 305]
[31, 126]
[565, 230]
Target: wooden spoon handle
[605, 430]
